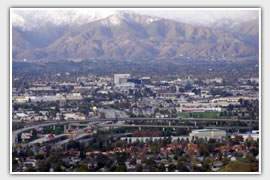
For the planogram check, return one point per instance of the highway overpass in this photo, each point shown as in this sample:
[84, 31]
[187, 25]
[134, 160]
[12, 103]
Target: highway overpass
[169, 126]
[53, 123]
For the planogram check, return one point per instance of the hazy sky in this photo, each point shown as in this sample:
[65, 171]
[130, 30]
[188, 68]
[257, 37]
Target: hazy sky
[204, 16]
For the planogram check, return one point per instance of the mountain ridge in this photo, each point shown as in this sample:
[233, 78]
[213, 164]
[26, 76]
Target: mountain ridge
[132, 36]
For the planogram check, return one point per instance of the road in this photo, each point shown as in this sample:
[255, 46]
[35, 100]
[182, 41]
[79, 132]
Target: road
[78, 137]
[46, 139]
[52, 123]
[168, 126]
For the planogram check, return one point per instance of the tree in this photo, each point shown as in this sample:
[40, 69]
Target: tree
[82, 168]
[225, 160]
[53, 158]
[121, 157]
[155, 147]
[139, 168]
[101, 160]
[206, 164]
[39, 157]
[203, 150]
[30, 169]
[161, 167]
[182, 167]
[171, 168]
[34, 135]
[43, 166]
[121, 167]
[133, 161]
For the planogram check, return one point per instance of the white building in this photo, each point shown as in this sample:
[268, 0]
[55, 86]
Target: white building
[208, 133]
[20, 99]
[74, 116]
[31, 163]
[254, 135]
[121, 78]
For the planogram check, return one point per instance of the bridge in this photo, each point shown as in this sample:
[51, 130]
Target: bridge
[169, 126]
[46, 139]
[54, 123]
[78, 137]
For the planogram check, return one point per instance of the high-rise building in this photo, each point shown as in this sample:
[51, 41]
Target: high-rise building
[121, 78]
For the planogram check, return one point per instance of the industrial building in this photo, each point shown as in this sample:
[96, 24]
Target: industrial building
[208, 133]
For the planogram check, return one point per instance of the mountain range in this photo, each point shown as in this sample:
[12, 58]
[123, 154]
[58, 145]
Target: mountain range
[120, 35]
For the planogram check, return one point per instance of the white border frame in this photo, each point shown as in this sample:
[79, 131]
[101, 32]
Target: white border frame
[136, 173]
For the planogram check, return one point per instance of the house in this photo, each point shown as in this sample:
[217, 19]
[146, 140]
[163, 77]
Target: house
[31, 163]
[216, 166]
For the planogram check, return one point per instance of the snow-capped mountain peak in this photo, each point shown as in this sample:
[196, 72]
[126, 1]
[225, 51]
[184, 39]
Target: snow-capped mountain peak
[31, 19]
[128, 17]
[112, 20]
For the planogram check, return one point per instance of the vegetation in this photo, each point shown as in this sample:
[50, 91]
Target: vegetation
[58, 129]
[212, 115]
[227, 70]
[240, 166]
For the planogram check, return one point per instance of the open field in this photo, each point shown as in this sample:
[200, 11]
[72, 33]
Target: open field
[199, 115]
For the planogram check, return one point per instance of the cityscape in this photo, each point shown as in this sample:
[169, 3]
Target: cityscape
[162, 95]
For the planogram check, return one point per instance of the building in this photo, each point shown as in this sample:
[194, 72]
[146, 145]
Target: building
[146, 80]
[25, 136]
[20, 99]
[134, 80]
[193, 110]
[208, 133]
[31, 163]
[249, 135]
[74, 116]
[121, 78]
[124, 87]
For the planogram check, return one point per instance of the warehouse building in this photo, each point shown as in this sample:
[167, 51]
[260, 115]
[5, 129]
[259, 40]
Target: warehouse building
[208, 133]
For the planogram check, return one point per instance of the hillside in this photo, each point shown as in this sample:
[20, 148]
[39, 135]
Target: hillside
[129, 36]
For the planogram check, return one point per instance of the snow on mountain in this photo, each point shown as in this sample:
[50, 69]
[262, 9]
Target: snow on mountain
[112, 20]
[79, 34]
[18, 21]
[30, 19]
[128, 17]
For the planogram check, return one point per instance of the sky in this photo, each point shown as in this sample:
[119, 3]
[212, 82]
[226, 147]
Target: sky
[205, 16]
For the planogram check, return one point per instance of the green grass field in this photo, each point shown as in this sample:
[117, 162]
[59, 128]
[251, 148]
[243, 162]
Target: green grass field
[199, 115]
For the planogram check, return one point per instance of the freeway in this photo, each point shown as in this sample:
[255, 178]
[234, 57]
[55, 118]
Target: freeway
[168, 126]
[52, 123]
[78, 137]
[166, 119]
[46, 139]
